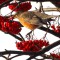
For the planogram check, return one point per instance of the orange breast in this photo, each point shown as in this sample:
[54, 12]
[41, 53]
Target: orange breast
[26, 24]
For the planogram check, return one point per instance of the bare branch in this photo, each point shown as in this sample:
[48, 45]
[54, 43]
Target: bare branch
[50, 31]
[20, 39]
[15, 36]
[15, 56]
[32, 53]
[21, 36]
[51, 9]
[45, 49]
[4, 57]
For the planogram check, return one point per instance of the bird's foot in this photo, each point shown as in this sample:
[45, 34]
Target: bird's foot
[28, 36]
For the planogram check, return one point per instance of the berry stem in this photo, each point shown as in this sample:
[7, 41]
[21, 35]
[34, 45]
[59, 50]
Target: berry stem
[21, 37]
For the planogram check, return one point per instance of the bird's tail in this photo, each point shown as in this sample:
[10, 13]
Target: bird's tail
[50, 19]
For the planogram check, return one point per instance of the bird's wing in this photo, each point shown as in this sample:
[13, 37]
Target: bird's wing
[43, 15]
[32, 17]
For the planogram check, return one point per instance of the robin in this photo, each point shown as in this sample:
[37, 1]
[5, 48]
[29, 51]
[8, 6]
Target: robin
[33, 19]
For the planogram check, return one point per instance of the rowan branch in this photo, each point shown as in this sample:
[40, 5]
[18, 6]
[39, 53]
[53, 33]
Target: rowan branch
[50, 31]
[45, 49]
[32, 53]
[51, 9]
[15, 36]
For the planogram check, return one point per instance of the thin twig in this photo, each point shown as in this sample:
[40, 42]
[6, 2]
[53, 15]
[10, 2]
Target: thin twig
[18, 38]
[50, 31]
[8, 56]
[41, 8]
[21, 37]
[4, 57]
[15, 56]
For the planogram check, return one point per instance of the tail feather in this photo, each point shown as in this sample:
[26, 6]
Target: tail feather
[50, 19]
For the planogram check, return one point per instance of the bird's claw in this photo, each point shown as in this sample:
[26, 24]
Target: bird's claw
[28, 36]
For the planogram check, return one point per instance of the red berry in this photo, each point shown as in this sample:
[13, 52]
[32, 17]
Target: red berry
[4, 29]
[8, 24]
[57, 30]
[59, 56]
[22, 7]
[53, 27]
[2, 24]
[29, 46]
[2, 1]
[19, 45]
[13, 27]
[14, 30]
[52, 54]
[36, 42]
[58, 27]
[3, 19]
[46, 43]
[16, 24]
[12, 6]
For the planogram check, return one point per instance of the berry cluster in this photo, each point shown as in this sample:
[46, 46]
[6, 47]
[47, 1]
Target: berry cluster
[7, 25]
[56, 29]
[32, 46]
[1, 1]
[25, 6]
[55, 55]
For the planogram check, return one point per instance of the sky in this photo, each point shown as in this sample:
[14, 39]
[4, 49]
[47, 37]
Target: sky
[8, 42]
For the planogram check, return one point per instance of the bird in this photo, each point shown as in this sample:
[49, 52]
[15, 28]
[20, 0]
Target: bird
[33, 19]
